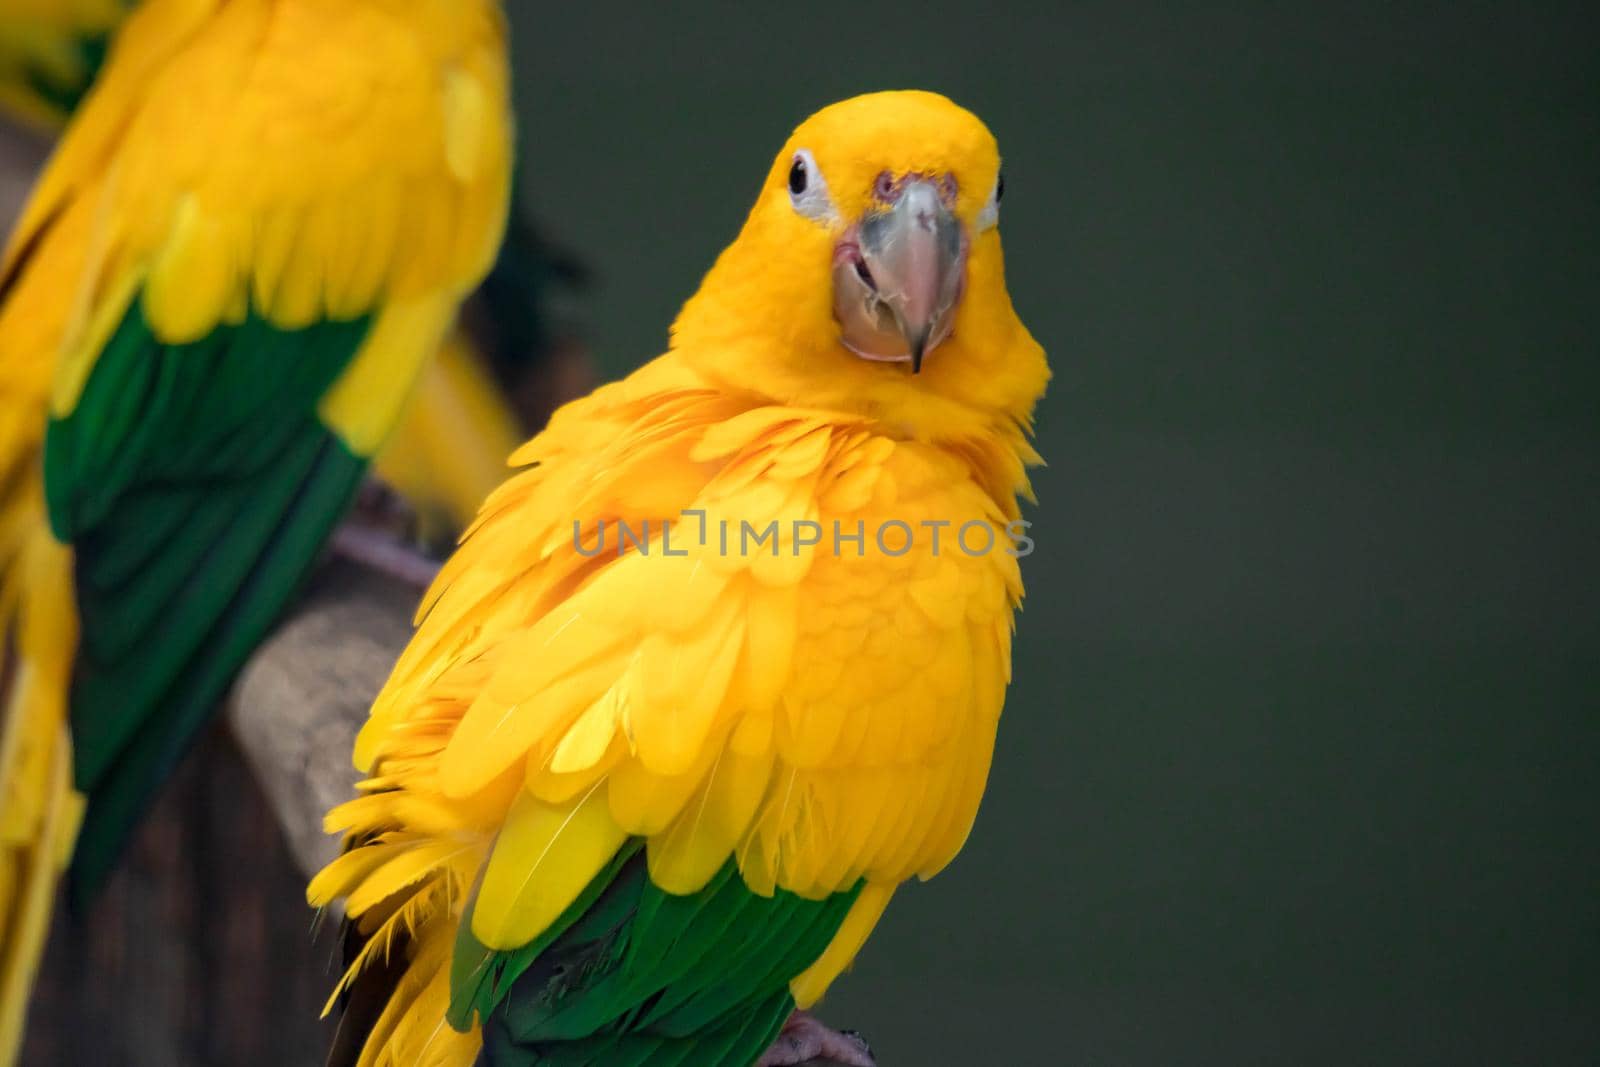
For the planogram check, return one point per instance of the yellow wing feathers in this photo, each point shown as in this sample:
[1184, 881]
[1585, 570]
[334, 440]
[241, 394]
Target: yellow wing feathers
[719, 701]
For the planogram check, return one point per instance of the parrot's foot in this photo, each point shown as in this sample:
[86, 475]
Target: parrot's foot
[805, 1037]
[379, 551]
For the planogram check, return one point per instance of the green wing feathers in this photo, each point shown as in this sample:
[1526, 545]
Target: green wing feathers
[633, 976]
[196, 487]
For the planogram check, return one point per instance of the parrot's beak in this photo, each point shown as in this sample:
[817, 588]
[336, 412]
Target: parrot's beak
[895, 286]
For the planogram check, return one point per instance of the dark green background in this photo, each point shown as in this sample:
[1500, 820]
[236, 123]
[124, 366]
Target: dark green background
[1299, 767]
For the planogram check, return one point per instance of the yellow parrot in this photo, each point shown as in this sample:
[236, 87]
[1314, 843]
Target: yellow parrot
[256, 230]
[449, 448]
[722, 667]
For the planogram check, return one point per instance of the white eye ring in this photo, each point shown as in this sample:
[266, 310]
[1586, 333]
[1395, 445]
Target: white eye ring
[808, 189]
[989, 215]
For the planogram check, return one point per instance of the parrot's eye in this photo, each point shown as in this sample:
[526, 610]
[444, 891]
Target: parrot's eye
[989, 216]
[808, 191]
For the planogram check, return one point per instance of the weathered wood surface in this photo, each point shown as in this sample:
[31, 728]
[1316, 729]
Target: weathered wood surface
[298, 705]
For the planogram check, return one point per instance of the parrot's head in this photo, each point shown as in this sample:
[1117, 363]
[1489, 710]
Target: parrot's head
[869, 275]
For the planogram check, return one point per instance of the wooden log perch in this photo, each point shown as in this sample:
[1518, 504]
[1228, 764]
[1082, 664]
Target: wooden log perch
[299, 703]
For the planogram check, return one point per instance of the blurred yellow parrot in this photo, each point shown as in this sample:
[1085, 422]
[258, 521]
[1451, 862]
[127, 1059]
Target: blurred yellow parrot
[722, 667]
[449, 448]
[256, 231]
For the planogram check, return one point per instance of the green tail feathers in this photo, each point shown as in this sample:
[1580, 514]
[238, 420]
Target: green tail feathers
[632, 976]
[196, 487]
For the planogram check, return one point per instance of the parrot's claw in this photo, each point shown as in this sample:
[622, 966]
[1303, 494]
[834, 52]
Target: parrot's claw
[805, 1038]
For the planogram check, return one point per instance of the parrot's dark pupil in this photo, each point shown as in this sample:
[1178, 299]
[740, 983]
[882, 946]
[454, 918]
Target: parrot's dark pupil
[797, 177]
